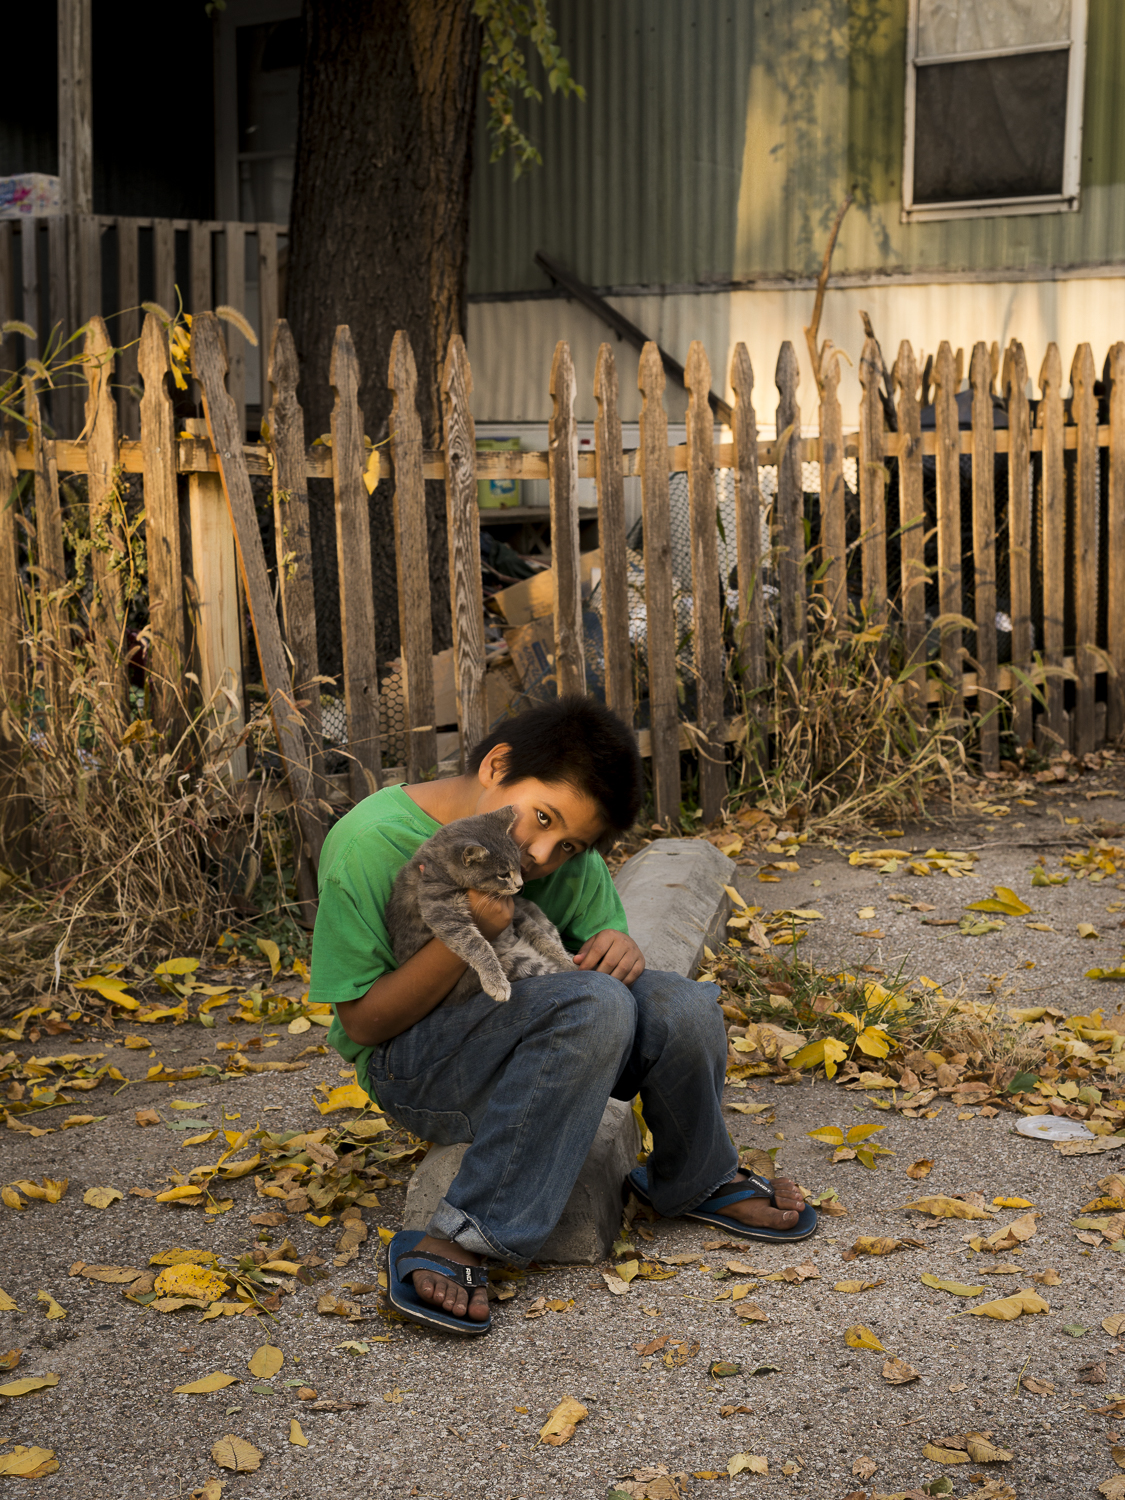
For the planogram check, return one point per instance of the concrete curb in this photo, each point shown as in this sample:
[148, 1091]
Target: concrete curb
[674, 902]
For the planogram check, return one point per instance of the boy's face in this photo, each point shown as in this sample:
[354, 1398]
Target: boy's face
[553, 820]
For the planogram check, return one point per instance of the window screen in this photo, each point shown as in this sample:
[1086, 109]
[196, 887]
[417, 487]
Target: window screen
[991, 116]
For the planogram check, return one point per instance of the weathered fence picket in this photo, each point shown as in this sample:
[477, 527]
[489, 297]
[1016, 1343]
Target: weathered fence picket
[50, 557]
[984, 555]
[353, 558]
[1114, 378]
[463, 524]
[948, 474]
[660, 613]
[833, 514]
[1013, 386]
[789, 513]
[107, 613]
[412, 557]
[872, 479]
[912, 521]
[1084, 413]
[750, 629]
[707, 639]
[570, 660]
[1052, 513]
[611, 535]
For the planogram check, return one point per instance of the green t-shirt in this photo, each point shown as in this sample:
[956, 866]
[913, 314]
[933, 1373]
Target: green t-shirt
[361, 857]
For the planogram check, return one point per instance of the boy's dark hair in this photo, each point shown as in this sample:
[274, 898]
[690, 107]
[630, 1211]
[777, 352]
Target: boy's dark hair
[577, 741]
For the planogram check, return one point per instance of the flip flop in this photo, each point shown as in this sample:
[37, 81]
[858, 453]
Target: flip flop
[710, 1211]
[402, 1262]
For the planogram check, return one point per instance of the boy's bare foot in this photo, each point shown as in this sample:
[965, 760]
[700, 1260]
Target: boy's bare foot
[760, 1212]
[444, 1294]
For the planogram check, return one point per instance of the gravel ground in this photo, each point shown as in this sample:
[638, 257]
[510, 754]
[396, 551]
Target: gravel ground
[447, 1419]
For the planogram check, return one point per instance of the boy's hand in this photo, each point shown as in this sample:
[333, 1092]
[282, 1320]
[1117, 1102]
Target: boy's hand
[491, 913]
[614, 953]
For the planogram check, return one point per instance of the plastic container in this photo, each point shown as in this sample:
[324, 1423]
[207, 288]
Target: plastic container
[498, 494]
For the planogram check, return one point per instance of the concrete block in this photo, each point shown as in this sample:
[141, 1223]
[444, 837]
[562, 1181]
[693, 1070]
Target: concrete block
[592, 1216]
[674, 899]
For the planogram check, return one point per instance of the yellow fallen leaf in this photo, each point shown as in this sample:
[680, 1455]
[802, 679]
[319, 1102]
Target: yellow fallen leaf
[273, 953]
[748, 1463]
[299, 1025]
[49, 1191]
[856, 1286]
[559, 1426]
[958, 1288]
[1012, 1203]
[921, 1168]
[176, 1194]
[1004, 900]
[628, 1269]
[28, 1384]
[1007, 1308]
[101, 1197]
[320, 1220]
[860, 1337]
[941, 1207]
[232, 1452]
[1087, 930]
[945, 1455]
[6, 1303]
[614, 1284]
[137, 1043]
[266, 1361]
[178, 1256]
[347, 1096]
[28, 1463]
[983, 1452]
[201, 1139]
[11, 1198]
[54, 1311]
[72, 1121]
[211, 1490]
[191, 1281]
[296, 1436]
[216, 1382]
[113, 990]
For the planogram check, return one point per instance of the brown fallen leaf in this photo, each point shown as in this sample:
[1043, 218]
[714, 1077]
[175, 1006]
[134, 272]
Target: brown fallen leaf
[876, 1245]
[898, 1372]
[1007, 1308]
[919, 1169]
[560, 1425]
[679, 1351]
[806, 1271]
[857, 1286]
[1093, 1374]
[864, 1467]
[1113, 1488]
[1114, 1324]
[147, 1117]
[942, 1207]
[1049, 1277]
[730, 1411]
[212, 1490]
[653, 1346]
[10, 1360]
[232, 1452]
[751, 1312]
[939, 1455]
[983, 1452]
[111, 1274]
[269, 1221]
[1036, 1387]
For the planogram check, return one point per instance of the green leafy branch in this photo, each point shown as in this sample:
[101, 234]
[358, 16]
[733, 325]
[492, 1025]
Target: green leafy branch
[504, 74]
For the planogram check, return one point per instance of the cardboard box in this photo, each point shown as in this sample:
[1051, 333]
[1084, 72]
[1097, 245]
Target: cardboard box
[535, 597]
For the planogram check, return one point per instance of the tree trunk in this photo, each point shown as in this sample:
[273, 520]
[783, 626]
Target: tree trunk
[379, 238]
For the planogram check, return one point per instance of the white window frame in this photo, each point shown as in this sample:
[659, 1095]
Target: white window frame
[1050, 203]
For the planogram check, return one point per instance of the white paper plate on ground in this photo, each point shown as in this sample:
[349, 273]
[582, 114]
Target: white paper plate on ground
[1054, 1128]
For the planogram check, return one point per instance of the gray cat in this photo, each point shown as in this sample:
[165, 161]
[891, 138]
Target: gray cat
[477, 854]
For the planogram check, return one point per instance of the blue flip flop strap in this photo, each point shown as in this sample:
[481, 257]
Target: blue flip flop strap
[466, 1276]
[753, 1187]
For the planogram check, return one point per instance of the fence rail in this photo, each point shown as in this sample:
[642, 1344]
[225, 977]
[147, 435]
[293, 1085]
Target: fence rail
[1061, 508]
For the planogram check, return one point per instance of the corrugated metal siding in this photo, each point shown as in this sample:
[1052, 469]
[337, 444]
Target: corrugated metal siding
[717, 139]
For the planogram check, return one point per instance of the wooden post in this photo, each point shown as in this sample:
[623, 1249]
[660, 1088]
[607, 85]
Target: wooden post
[1087, 658]
[948, 467]
[1114, 377]
[1052, 511]
[29, 267]
[164, 264]
[217, 632]
[463, 522]
[89, 267]
[789, 511]
[1013, 386]
[208, 364]
[199, 267]
[412, 562]
[128, 324]
[234, 294]
[710, 673]
[611, 533]
[7, 296]
[353, 556]
[64, 407]
[660, 614]
[167, 640]
[269, 305]
[872, 484]
[291, 528]
[562, 441]
[912, 522]
[107, 613]
[984, 555]
[76, 135]
[751, 634]
[50, 571]
[833, 524]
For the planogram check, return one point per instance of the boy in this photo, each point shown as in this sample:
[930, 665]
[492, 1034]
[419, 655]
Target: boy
[527, 1081]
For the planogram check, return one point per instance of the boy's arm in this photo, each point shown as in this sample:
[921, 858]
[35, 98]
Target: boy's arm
[404, 995]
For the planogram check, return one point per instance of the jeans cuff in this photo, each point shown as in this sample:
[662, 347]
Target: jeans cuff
[449, 1223]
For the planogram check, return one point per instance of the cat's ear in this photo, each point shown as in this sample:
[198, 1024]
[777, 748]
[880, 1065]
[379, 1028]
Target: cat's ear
[507, 817]
[472, 854]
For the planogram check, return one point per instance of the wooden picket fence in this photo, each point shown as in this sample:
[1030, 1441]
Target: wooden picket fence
[196, 618]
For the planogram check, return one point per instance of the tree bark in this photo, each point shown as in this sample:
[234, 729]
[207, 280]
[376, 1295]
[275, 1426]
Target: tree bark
[379, 236]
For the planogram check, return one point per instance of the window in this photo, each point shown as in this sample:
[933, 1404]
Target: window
[993, 107]
[257, 73]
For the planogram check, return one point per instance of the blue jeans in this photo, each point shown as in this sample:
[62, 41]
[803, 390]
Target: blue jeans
[526, 1082]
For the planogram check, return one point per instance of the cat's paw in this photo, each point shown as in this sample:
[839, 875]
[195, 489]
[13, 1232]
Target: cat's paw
[499, 989]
